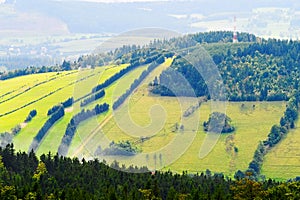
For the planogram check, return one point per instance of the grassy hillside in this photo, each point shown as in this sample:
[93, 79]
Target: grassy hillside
[67, 83]
[165, 147]
[88, 126]
[251, 127]
[113, 92]
[249, 120]
[283, 161]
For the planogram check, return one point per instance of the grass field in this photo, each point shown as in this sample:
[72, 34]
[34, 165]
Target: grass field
[283, 161]
[88, 126]
[144, 115]
[112, 92]
[252, 126]
[24, 138]
[138, 115]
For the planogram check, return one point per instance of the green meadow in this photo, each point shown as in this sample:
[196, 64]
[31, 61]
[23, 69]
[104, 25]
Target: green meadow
[282, 162]
[151, 122]
[68, 85]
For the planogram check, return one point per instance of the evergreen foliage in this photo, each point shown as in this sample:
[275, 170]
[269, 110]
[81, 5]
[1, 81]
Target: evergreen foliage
[24, 176]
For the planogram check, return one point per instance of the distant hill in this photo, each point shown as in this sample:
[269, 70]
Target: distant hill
[91, 17]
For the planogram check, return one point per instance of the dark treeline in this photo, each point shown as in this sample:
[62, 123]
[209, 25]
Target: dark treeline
[120, 55]
[67, 103]
[31, 115]
[64, 104]
[66, 66]
[138, 81]
[27, 71]
[222, 36]
[24, 176]
[135, 61]
[54, 109]
[59, 113]
[92, 98]
[125, 53]
[73, 124]
[114, 78]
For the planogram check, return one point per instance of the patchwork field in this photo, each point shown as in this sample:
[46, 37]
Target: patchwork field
[154, 124]
[251, 127]
[67, 83]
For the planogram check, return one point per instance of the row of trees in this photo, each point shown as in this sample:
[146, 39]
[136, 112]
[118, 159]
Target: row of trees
[138, 81]
[137, 58]
[24, 176]
[66, 66]
[54, 109]
[256, 163]
[67, 103]
[73, 124]
[193, 108]
[92, 98]
[287, 122]
[114, 78]
[64, 104]
[31, 115]
[59, 113]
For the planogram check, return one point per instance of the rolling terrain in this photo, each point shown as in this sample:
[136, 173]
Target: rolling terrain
[124, 112]
[89, 134]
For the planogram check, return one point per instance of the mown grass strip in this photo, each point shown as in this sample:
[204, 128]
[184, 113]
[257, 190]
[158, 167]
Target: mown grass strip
[34, 86]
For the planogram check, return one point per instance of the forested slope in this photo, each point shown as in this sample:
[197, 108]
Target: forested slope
[52, 177]
[268, 70]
